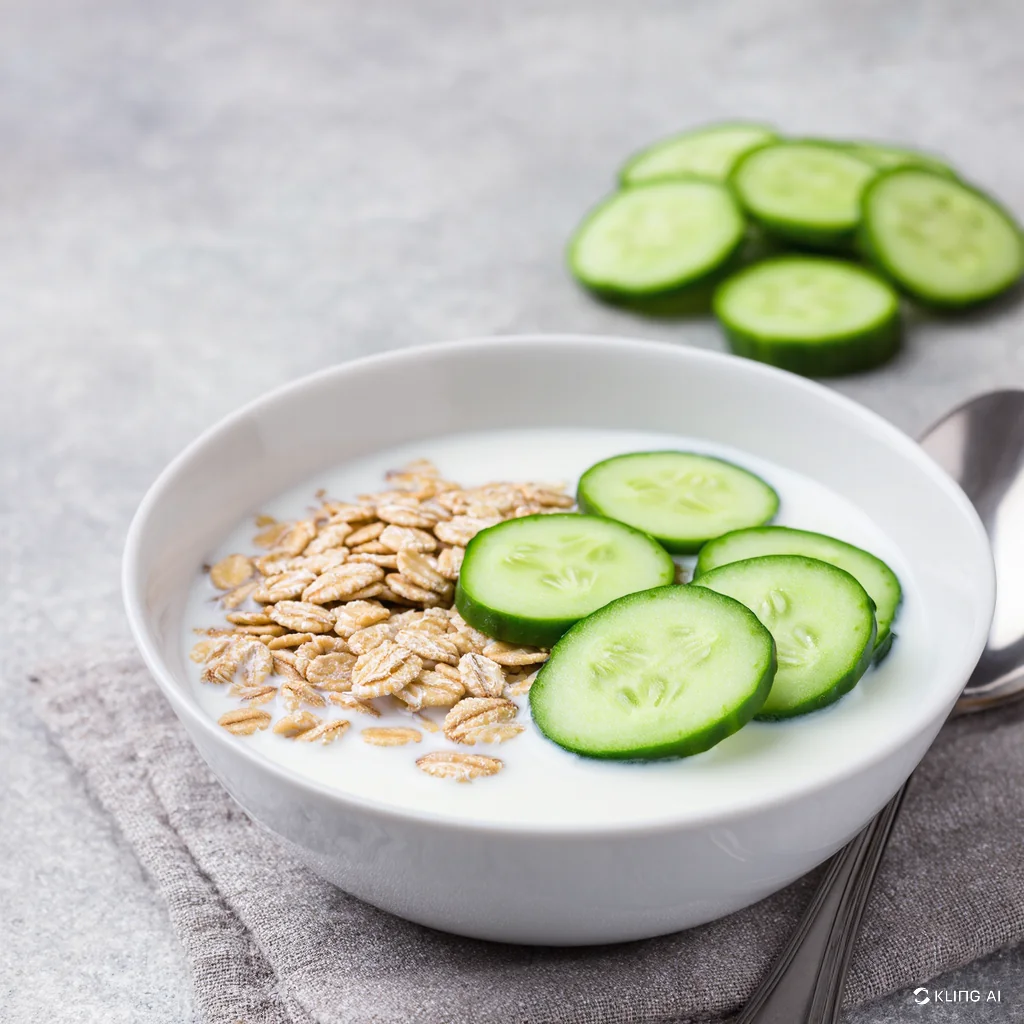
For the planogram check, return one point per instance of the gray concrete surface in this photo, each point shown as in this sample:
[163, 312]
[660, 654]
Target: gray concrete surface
[200, 199]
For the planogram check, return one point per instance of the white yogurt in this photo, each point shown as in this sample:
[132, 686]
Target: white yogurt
[541, 784]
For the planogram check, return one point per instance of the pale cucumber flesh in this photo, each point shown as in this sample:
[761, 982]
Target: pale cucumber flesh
[666, 672]
[682, 499]
[820, 617]
[656, 238]
[943, 242]
[528, 580]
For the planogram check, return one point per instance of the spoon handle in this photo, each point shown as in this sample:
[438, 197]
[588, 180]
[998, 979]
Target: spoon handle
[805, 984]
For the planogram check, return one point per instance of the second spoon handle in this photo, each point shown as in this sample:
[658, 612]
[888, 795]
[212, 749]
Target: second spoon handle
[805, 984]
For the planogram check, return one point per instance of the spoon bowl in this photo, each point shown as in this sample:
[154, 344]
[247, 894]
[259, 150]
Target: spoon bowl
[981, 445]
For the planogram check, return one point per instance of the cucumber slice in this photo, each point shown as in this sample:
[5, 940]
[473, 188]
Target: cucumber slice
[943, 242]
[821, 618]
[528, 580]
[679, 498]
[810, 314]
[708, 152]
[885, 156]
[870, 572]
[657, 238]
[806, 192]
[667, 672]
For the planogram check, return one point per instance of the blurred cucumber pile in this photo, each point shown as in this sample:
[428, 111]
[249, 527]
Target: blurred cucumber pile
[805, 247]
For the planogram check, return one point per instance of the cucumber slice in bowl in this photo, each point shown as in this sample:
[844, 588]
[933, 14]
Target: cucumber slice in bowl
[667, 672]
[941, 241]
[657, 238]
[680, 498]
[821, 618]
[528, 580]
[810, 314]
[805, 192]
[880, 582]
[708, 152]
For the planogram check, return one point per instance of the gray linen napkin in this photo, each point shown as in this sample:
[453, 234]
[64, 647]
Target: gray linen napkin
[270, 943]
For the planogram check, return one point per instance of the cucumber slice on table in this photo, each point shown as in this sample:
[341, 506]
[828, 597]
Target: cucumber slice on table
[680, 498]
[528, 580]
[667, 672]
[657, 238]
[884, 156]
[805, 192]
[708, 152]
[810, 314]
[943, 242]
[880, 582]
[821, 618]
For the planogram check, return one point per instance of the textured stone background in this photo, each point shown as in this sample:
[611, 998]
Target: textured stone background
[202, 198]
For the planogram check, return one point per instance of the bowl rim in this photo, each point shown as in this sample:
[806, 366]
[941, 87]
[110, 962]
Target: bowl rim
[192, 715]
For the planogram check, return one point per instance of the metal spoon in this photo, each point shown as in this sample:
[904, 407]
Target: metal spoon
[981, 445]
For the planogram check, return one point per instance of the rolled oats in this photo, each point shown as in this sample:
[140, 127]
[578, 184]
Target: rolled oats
[364, 535]
[296, 692]
[314, 648]
[512, 655]
[350, 703]
[470, 721]
[480, 676]
[358, 615]
[302, 616]
[331, 671]
[231, 572]
[451, 764]
[278, 643]
[394, 737]
[395, 538]
[384, 670]
[365, 640]
[283, 586]
[330, 536]
[519, 684]
[411, 591]
[238, 596]
[325, 732]
[384, 561]
[428, 647]
[253, 694]
[244, 721]
[449, 563]
[432, 689]
[460, 530]
[341, 582]
[249, 618]
[296, 724]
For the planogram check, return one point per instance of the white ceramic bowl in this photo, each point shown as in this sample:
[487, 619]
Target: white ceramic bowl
[562, 883]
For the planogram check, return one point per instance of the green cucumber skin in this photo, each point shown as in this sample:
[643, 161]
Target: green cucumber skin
[623, 175]
[694, 743]
[675, 546]
[883, 640]
[790, 233]
[883, 647]
[854, 353]
[868, 245]
[515, 629]
[682, 288]
[843, 685]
